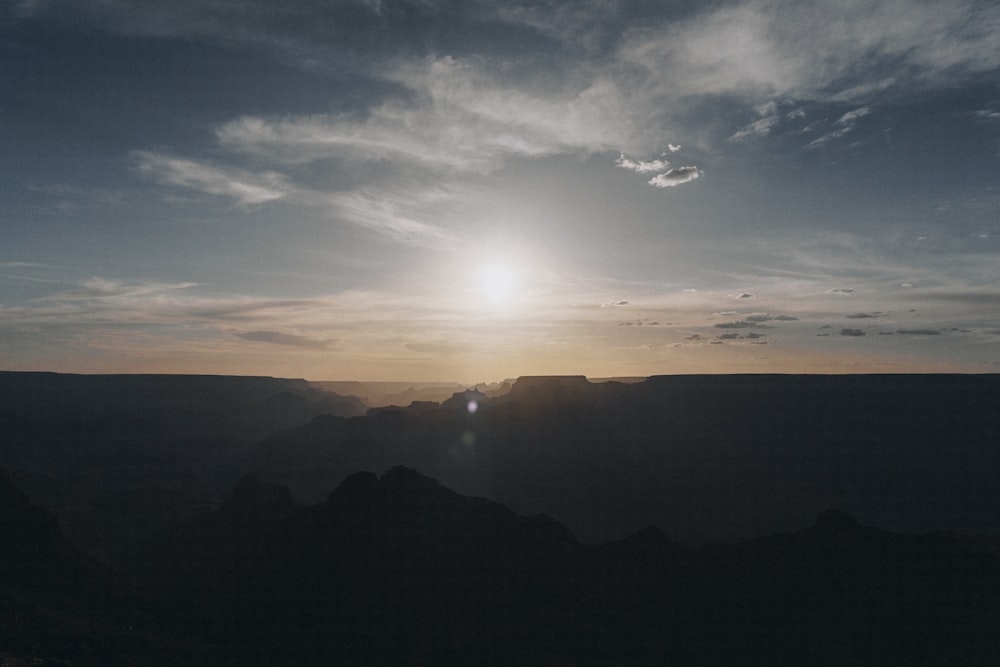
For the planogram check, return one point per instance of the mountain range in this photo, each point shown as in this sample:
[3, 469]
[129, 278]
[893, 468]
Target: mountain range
[399, 569]
[673, 520]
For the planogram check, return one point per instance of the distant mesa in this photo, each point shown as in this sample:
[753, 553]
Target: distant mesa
[468, 400]
[530, 384]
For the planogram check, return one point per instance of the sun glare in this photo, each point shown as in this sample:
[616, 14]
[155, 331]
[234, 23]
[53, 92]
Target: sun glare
[497, 283]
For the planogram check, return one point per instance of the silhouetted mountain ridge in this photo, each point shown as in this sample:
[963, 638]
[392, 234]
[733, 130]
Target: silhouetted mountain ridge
[114, 455]
[709, 458]
[399, 569]
[409, 568]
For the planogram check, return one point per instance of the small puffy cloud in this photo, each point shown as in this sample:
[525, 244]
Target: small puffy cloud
[728, 336]
[675, 177]
[741, 295]
[864, 316]
[852, 332]
[673, 148]
[639, 166]
[842, 290]
[753, 335]
[614, 304]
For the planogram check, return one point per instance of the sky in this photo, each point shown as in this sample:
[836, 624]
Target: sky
[476, 190]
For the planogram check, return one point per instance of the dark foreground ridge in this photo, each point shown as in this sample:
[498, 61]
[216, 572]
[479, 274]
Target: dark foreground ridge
[400, 570]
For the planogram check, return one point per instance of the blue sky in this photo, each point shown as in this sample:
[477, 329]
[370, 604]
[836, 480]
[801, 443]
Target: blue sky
[478, 190]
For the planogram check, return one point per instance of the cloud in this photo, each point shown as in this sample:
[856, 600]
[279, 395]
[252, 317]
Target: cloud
[767, 317]
[675, 177]
[457, 116]
[738, 324]
[758, 128]
[770, 116]
[244, 187]
[614, 304]
[852, 332]
[851, 116]
[814, 49]
[673, 148]
[640, 167]
[741, 295]
[97, 288]
[845, 124]
[402, 214]
[918, 332]
[863, 316]
[279, 338]
[728, 336]
[842, 290]
[438, 348]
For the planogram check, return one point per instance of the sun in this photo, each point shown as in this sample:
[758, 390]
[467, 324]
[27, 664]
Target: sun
[497, 283]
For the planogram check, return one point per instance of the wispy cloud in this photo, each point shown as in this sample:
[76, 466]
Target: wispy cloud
[281, 338]
[404, 215]
[815, 49]
[103, 288]
[845, 124]
[243, 187]
[759, 128]
[458, 117]
[770, 117]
